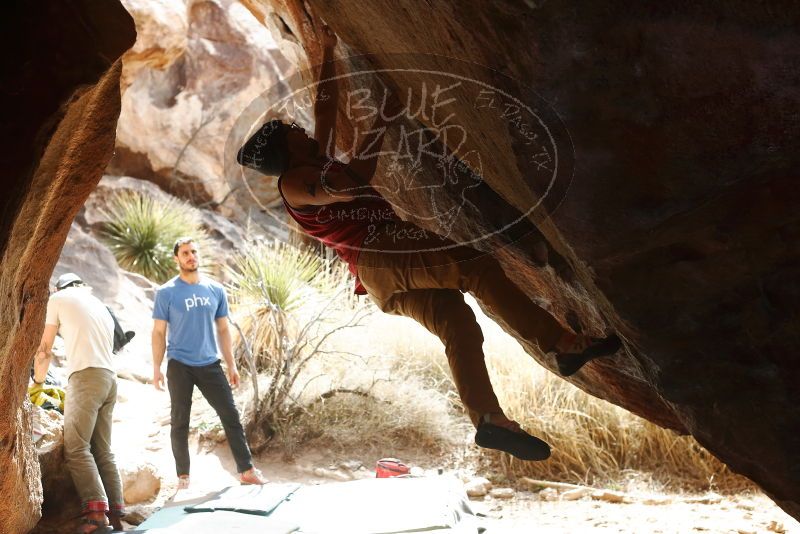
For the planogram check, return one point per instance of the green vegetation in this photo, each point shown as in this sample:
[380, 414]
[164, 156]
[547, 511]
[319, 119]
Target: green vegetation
[142, 230]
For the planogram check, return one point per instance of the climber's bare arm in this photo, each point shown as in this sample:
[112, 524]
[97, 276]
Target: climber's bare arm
[312, 186]
[326, 101]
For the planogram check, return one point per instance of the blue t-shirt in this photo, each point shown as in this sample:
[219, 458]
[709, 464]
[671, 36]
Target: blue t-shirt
[190, 311]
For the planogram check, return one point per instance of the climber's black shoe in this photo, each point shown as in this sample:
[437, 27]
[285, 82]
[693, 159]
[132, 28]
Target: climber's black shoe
[570, 362]
[518, 444]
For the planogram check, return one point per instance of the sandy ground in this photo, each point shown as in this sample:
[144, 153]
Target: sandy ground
[141, 433]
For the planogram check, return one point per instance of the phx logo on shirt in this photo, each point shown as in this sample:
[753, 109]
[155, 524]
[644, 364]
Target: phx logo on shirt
[194, 301]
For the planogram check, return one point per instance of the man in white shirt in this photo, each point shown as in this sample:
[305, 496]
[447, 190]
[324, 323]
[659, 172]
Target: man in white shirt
[88, 331]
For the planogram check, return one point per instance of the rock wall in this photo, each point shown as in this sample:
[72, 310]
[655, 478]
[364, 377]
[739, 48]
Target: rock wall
[679, 220]
[58, 135]
[678, 225]
[195, 65]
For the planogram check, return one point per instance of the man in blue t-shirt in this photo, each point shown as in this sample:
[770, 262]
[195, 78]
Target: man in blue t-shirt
[187, 310]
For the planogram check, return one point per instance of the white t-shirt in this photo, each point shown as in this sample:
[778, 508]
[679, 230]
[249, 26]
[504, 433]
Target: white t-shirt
[86, 326]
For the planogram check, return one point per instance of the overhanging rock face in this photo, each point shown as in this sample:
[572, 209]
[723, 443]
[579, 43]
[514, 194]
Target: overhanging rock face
[677, 226]
[680, 222]
[60, 91]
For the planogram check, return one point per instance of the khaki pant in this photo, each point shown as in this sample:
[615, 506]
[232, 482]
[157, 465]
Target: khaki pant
[88, 412]
[422, 276]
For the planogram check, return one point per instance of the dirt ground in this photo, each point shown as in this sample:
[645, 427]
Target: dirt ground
[141, 433]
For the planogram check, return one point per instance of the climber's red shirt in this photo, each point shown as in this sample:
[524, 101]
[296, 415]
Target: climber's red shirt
[343, 226]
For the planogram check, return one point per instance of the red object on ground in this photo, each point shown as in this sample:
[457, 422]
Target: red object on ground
[390, 467]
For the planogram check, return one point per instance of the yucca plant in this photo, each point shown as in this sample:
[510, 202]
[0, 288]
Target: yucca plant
[268, 281]
[142, 230]
[273, 272]
[283, 298]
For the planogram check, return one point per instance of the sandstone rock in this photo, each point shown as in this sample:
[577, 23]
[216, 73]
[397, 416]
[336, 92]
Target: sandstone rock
[776, 526]
[502, 493]
[656, 500]
[548, 494]
[575, 494]
[710, 498]
[57, 136]
[689, 252]
[478, 487]
[608, 496]
[60, 496]
[194, 67]
[350, 465]
[140, 483]
[135, 515]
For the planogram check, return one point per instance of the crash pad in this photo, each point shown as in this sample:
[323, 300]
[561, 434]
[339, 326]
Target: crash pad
[256, 500]
[371, 506]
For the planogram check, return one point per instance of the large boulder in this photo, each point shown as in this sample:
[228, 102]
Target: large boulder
[140, 482]
[195, 65]
[672, 137]
[61, 504]
[678, 136]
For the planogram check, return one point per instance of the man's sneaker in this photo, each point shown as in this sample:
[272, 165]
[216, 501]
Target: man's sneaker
[183, 482]
[252, 476]
[570, 363]
[519, 443]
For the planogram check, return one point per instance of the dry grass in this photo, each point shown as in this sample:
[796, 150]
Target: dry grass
[593, 442]
[386, 386]
[358, 400]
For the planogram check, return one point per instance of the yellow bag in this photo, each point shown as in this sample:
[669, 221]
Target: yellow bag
[47, 396]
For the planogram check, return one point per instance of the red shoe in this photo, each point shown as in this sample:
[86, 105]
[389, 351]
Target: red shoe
[252, 476]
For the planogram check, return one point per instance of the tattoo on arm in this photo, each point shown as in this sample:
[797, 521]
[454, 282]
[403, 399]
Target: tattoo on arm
[311, 189]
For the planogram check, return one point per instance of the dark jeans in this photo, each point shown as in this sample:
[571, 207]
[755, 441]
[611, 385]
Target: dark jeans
[181, 379]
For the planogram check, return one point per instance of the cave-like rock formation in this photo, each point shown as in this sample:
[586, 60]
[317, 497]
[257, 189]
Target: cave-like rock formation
[679, 135]
[61, 97]
[681, 214]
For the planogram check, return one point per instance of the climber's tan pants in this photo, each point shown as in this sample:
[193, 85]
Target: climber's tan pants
[88, 415]
[423, 276]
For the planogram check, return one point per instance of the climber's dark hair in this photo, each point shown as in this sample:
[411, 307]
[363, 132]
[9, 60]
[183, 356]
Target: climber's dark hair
[266, 150]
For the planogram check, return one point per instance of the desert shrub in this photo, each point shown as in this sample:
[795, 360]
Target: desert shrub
[267, 282]
[287, 302]
[142, 230]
